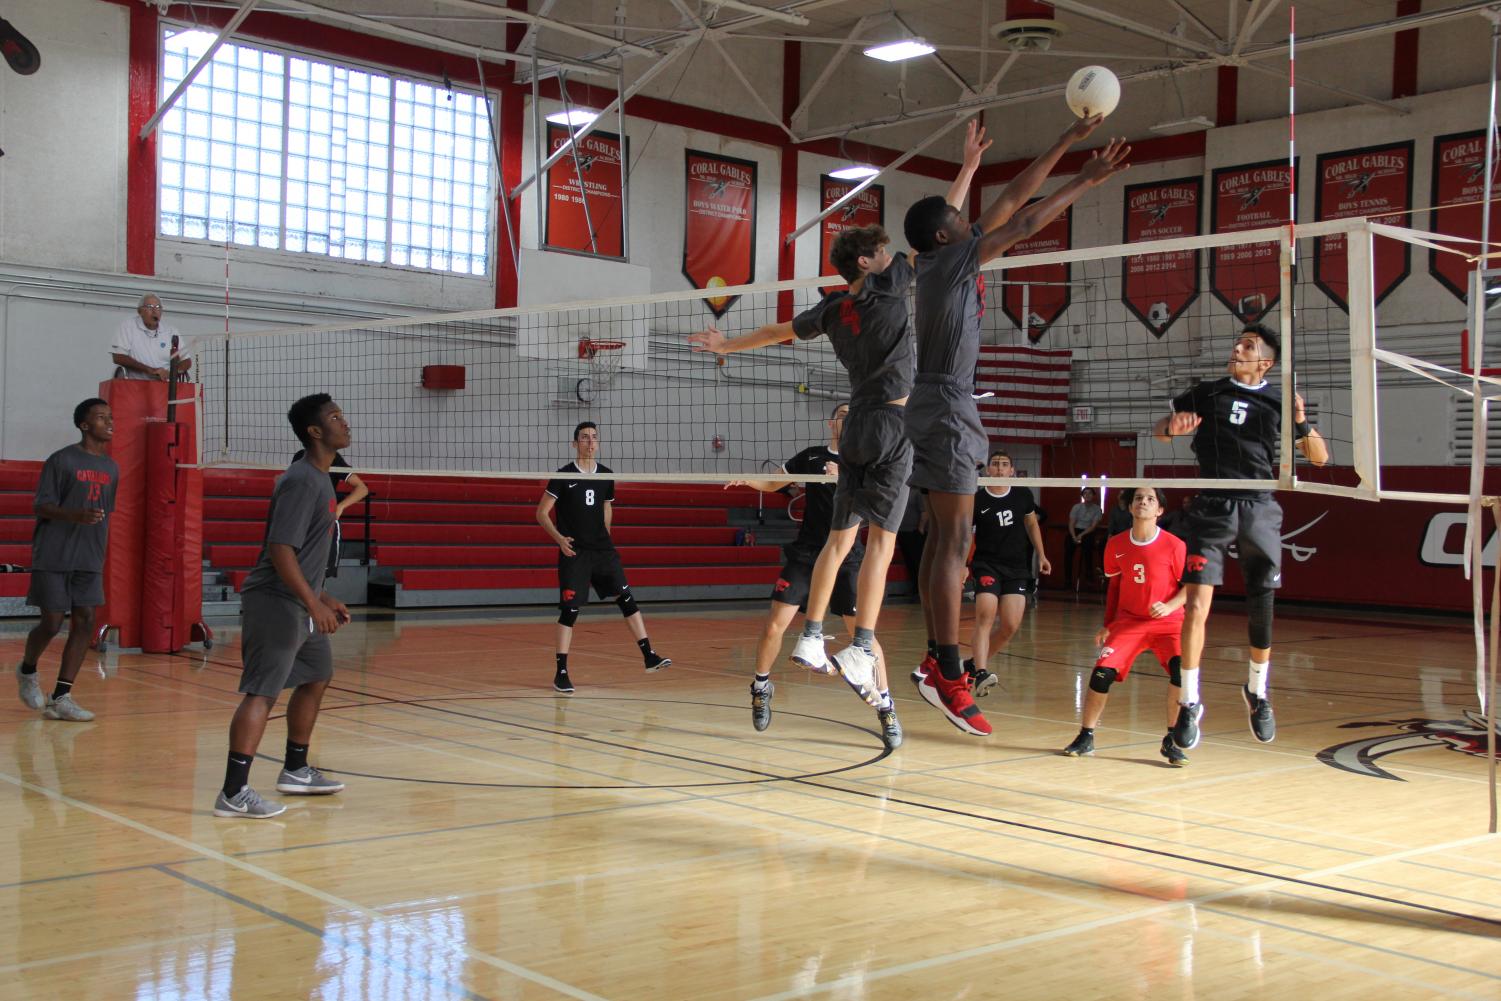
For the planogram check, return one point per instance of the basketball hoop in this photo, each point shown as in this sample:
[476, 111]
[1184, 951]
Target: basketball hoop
[604, 358]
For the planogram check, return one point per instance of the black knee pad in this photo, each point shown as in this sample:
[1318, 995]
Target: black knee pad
[568, 615]
[627, 603]
[1101, 678]
[1175, 672]
[1259, 612]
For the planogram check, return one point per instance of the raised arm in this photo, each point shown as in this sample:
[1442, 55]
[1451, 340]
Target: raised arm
[1102, 166]
[1176, 424]
[1024, 185]
[975, 145]
[1313, 446]
[711, 338]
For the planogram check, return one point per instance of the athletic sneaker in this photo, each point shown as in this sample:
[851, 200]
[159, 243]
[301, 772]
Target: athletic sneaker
[761, 706]
[810, 653]
[1082, 747]
[929, 663]
[655, 663]
[857, 666]
[307, 781]
[31, 690]
[891, 728]
[64, 707]
[982, 681]
[952, 698]
[246, 804]
[1185, 731]
[1263, 723]
[1172, 752]
[560, 683]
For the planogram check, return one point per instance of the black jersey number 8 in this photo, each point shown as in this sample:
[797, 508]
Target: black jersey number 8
[589, 498]
[1238, 412]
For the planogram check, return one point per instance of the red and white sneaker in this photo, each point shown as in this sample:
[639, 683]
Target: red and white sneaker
[953, 699]
[928, 665]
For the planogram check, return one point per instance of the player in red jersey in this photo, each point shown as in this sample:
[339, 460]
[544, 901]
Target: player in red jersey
[1143, 611]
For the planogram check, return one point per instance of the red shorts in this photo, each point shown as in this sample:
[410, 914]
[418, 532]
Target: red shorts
[1131, 637]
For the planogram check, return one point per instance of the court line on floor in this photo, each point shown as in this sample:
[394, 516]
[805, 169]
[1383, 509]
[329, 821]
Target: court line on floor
[117, 950]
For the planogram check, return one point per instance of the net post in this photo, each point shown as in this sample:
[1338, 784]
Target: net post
[1364, 432]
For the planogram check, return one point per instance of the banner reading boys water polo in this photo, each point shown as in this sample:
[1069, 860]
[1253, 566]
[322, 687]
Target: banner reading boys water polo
[1363, 182]
[868, 208]
[1157, 288]
[719, 232]
[587, 217]
[1033, 298]
[1247, 278]
[1458, 190]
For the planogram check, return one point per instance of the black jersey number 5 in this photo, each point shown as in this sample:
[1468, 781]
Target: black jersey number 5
[1238, 411]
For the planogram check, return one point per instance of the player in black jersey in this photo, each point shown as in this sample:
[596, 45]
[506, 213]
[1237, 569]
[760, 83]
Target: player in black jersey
[1236, 423]
[586, 553]
[792, 587]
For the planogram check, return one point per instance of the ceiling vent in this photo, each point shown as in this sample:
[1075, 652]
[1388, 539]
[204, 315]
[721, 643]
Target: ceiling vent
[1029, 26]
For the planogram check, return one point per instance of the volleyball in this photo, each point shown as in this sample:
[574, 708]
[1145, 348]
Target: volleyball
[1092, 90]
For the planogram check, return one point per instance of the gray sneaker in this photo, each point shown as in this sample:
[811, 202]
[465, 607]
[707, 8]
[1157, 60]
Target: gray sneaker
[307, 781]
[247, 805]
[66, 708]
[31, 690]
[891, 728]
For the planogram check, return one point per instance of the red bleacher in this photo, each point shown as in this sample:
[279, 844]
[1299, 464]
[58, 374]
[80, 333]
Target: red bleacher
[17, 488]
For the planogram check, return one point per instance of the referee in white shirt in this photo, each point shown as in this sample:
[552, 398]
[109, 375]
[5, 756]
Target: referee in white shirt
[142, 348]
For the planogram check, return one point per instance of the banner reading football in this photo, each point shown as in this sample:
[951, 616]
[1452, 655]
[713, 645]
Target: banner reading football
[719, 235]
[587, 217]
[1458, 190]
[868, 208]
[1363, 182]
[1248, 278]
[1039, 294]
[1157, 288]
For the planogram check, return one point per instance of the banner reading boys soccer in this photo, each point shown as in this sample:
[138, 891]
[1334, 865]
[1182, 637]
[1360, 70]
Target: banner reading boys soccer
[1458, 189]
[868, 208]
[1157, 288]
[587, 217]
[1042, 292]
[1248, 278]
[719, 233]
[1363, 182]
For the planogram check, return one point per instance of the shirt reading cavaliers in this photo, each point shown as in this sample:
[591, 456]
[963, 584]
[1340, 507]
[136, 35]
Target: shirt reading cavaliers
[1001, 539]
[1145, 572]
[581, 507]
[870, 332]
[1238, 436]
[74, 478]
[818, 514]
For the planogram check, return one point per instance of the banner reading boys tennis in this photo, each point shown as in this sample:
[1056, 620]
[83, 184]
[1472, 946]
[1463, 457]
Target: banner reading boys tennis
[868, 208]
[1247, 278]
[585, 217]
[1041, 292]
[1157, 288]
[719, 232]
[1363, 182]
[1458, 189]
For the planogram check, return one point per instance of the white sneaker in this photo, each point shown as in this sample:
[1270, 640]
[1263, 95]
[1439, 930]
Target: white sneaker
[65, 708]
[810, 653]
[857, 666]
[31, 689]
[246, 804]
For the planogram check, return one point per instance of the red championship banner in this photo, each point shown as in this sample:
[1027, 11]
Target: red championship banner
[587, 218]
[1248, 278]
[719, 232]
[1157, 288]
[1458, 190]
[1363, 182]
[868, 208]
[1040, 294]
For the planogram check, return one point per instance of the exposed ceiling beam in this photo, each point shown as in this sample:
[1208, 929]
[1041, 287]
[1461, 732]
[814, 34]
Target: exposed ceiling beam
[1197, 21]
[1253, 23]
[1396, 24]
[203, 60]
[1126, 24]
[549, 24]
[1305, 80]
[800, 113]
[775, 15]
[1005, 68]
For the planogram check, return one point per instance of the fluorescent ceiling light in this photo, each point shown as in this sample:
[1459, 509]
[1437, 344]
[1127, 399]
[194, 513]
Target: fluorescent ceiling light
[575, 117]
[854, 172]
[907, 48]
[1179, 126]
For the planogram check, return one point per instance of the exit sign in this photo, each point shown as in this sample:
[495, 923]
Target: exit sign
[1083, 414]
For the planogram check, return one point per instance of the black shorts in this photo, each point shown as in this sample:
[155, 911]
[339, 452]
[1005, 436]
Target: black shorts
[989, 578]
[278, 650]
[1247, 528]
[875, 459]
[63, 591]
[597, 567]
[948, 440]
[797, 576]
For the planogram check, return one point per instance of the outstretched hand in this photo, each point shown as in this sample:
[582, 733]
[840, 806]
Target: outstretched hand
[1106, 163]
[1082, 128]
[711, 338]
[1183, 422]
[975, 144]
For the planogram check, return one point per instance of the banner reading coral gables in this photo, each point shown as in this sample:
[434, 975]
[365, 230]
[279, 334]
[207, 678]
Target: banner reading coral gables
[1458, 189]
[585, 216]
[868, 208]
[1157, 288]
[1247, 277]
[1367, 182]
[719, 232]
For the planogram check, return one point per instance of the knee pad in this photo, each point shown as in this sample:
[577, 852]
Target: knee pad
[1259, 612]
[1175, 672]
[627, 603]
[568, 615]
[1101, 678]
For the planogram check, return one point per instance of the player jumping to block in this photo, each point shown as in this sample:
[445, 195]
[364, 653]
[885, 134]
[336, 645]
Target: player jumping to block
[1235, 422]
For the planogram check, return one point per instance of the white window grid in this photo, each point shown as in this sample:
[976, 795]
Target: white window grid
[285, 152]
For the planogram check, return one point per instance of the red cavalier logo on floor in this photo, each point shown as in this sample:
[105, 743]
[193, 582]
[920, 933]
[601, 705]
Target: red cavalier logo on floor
[1466, 735]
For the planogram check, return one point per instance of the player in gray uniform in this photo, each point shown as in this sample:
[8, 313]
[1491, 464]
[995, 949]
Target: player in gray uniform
[287, 618]
[74, 498]
[943, 421]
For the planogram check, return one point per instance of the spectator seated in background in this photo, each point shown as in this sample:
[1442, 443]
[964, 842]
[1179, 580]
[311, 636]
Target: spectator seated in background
[142, 348]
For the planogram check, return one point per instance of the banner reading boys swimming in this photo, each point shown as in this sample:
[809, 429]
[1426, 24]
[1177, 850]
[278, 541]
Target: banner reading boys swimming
[1247, 278]
[1157, 288]
[719, 233]
[1363, 182]
[868, 208]
[1042, 291]
[1458, 189]
[587, 217]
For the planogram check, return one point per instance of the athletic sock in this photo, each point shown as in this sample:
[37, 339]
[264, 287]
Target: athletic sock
[296, 756]
[948, 662]
[62, 688]
[865, 638]
[932, 649]
[562, 663]
[762, 682]
[1087, 729]
[813, 629]
[886, 700]
[645, 645]
[1189, 694]
[1256, 678]
[27, 668]
[969, 666]
[237, 774]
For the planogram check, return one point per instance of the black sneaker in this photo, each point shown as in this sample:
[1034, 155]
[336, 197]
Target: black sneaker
[655, 663]
[1082, 747]
[560, 683]
[1263, 723]
[1172, 752]
[761, 706]
[1185, 731]
[891, 728]
[982, 681]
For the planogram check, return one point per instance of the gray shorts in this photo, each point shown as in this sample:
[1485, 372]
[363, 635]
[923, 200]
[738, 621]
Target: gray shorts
[948, 440]
[65, 590]
[1251, 526]
[875, 460]
[276, 649]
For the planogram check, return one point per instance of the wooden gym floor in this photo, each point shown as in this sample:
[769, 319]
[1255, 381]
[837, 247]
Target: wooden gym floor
[640, 841]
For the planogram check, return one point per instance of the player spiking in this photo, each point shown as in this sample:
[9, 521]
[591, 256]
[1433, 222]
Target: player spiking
[943, 421]
[1236, 423]
[1143, 611]
[586, 554]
